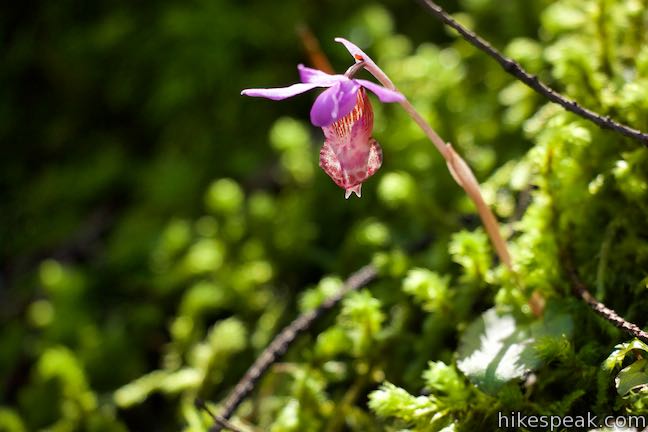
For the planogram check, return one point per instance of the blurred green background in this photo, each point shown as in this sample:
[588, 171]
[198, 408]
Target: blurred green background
[157, 229]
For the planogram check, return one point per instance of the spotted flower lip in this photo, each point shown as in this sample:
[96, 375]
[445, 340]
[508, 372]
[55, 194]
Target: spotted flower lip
[335, 102]
[350, 155]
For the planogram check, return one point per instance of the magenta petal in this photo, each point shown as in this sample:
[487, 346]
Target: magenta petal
[334, 103]
[281, 92]
[383, 93]
[310, 75]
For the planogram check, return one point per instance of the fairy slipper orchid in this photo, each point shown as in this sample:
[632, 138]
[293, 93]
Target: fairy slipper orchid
[349, 155]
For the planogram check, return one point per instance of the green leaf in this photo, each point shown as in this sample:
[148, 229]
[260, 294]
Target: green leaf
[631, 377]
[621, 351]
[496, 348]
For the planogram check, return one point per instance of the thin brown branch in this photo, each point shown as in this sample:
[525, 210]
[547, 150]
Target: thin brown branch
[283, 340]
[515, 69]
[580, 290]
[218, 420]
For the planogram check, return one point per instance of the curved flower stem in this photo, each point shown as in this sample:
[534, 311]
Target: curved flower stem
[427, 129]
[457, 166]
[354, 69]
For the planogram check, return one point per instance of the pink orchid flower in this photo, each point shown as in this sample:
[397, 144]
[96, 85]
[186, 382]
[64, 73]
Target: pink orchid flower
[349, 154]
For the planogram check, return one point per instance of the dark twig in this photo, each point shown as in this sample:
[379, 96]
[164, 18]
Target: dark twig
[281, 342]
[218, 420]
[610, 315]
[515, 69]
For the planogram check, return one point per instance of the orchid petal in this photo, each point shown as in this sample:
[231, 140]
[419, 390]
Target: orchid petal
[310, 75]
[356, 52]
[383, 93]
[369, 64]
[281, 92]
[334, 103]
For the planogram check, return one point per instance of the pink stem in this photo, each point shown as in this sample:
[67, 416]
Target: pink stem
[458, 167]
